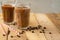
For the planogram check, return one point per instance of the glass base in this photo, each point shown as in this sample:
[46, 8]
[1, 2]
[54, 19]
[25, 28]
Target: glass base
[9, 23]
[22, 28]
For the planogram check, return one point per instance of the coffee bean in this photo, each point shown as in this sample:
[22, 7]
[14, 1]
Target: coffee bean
[32, 31]
[26, 29]
[32, 28]
[21, 32]
[3, 34]
[44, 27]
[14, 23]
[43, 30]
[11, 36]
[18, 36]
[40, 31]
[50, 33]
[29, 29]
[36, 28]
[39, 26]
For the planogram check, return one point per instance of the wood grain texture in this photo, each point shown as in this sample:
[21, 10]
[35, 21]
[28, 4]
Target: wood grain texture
[55, 18]
[43, 20]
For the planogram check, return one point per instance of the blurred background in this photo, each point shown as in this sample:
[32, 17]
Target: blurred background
[42, 6]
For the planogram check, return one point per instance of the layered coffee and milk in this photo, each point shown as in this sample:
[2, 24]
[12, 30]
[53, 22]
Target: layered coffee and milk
[8, 13]
[23, 14]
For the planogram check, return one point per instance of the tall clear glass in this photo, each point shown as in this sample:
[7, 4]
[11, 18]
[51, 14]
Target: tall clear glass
[23, 14]
[8, 11]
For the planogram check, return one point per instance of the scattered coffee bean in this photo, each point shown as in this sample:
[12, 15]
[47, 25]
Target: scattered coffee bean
[39, 26]
[21, 32]
[44, 27]
[40, 31]
[11, 36]
[3, 34]
[50, 33]
[32, 31]
[36, 28]
[43, 30]
[18, 36]
[32, 28]
[27, 28]
[14, 23]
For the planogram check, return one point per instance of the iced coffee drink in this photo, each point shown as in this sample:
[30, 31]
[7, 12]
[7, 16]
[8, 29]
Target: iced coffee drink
[8, 13]
[23, 14]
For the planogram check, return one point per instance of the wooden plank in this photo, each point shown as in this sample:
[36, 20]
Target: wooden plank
[44, 21]
[2, 34]
[36, 35]
[14, 32]
[29, 35]
[1, 18]
[55, 18]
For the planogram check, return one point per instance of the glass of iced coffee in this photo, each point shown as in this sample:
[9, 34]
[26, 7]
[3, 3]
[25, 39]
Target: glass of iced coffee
[23, 13]
[8, 12]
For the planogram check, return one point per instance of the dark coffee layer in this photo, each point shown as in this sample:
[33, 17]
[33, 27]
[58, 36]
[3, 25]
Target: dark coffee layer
[8, 13]
[23, 16]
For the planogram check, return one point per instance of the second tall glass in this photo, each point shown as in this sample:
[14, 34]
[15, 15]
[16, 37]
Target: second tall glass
[23, 14]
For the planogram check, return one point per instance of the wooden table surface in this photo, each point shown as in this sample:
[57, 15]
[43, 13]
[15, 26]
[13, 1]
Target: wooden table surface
[35, 20]
[55, 18]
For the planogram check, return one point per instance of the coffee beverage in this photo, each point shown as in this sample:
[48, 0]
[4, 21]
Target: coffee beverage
[8, 13]
[23, 14]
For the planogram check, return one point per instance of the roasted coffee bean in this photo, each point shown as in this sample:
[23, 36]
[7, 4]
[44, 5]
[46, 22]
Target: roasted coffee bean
[36, 28]
[40, 31]
[43, 30]
[44, 27]
[21, 32]
[18, 36]
[32, 31]
[32, 28]
[50, 33]
[27, 28]
[14, 23]
[39, 26]
[3, 34]
[11, 36]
